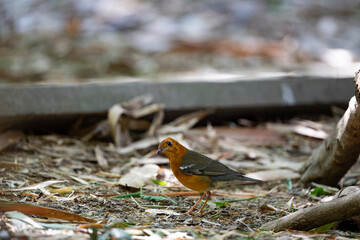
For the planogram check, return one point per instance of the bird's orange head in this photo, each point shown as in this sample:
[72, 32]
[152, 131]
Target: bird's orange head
[171, 149]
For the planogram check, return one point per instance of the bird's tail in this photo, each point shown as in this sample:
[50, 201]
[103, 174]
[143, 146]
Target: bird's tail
[230, 179]
[248, 179]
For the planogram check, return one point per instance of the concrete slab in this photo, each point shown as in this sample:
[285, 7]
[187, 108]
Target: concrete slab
[231, 92]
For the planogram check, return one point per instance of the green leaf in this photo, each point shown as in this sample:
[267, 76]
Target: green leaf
[161, 234]
[131, 223]
[135, 194]
[158, 182]
[324, 228]
[328, 190]
[264, 230]
[117, 225]
[153, 198]
[94, 234]
[317, 191]
[171, 200]
[155, 206]
[146, 197]
[221, 204]
[289, 184]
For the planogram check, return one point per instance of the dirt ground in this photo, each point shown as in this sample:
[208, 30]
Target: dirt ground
[83, 185]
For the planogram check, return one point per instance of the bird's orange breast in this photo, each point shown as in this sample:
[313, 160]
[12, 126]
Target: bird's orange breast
[194, 182]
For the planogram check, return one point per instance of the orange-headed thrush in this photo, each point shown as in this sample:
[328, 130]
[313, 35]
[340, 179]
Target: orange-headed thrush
[198, 172]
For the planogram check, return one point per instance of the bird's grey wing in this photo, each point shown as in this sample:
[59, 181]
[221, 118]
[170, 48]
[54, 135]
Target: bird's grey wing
[197, 164]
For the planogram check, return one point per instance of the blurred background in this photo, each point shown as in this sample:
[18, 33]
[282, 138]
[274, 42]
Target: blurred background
[66, 41]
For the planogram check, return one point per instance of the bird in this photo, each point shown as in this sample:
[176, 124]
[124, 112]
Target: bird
[199, 172]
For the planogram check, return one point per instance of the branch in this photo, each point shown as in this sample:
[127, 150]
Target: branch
[334, 157]
[305, 219]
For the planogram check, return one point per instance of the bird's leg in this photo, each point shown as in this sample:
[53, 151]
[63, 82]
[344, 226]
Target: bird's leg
[206, 200]
[192, 208]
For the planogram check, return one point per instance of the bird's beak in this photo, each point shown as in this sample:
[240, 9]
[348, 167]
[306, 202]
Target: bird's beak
[159, 151]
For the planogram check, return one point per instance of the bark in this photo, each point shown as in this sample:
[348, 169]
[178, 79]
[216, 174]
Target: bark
[334, 157]
[339, 209]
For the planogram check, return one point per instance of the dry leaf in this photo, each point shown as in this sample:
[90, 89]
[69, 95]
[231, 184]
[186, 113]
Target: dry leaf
[184, 122]
[148, 142]
[304, 128]
[91, 225]
[310, 132]
[141, 144]
[102, 128]
[22, 217]
[153, 108]
[138, 102]
[9, 138]
[154, 160]
[79, 180]
[138, 176]
[9, 166]
[117, 124]
[237, 194]
[39, 186]
[100, 158]
[289, 204]
[275, 174]
[29, 209]
[125, 116]
[62, 190]
[154, 211]
[107, 174]
[264, 159]
[249, 136]
[156, 123]
[93, 178]
[267, 208]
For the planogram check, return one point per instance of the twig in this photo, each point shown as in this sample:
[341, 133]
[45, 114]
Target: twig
[137, 203]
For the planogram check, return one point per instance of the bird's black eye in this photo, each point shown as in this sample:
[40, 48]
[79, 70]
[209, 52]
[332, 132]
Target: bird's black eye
[169, 143]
